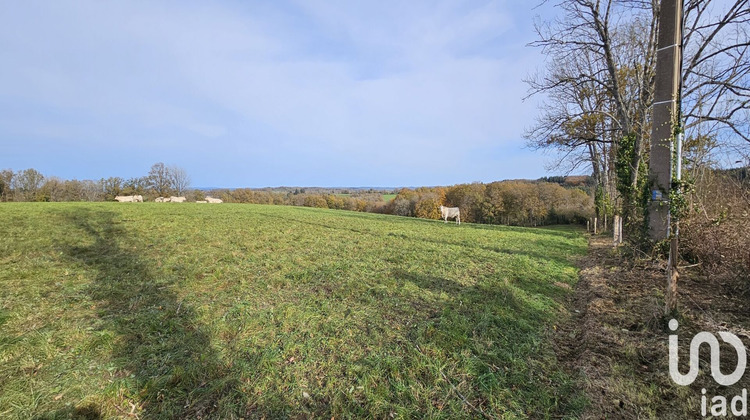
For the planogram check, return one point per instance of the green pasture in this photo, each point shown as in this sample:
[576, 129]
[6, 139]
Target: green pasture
[151, 310]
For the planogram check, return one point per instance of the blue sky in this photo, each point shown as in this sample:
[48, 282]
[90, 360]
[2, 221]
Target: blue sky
[252, 94]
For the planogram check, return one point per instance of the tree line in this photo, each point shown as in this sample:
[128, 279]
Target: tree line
[32, 185]
[552, 200]
[523, 203]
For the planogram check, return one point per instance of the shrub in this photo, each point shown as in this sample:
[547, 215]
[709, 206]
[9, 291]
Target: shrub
[403, 207]
[428, 208]
[715, 233]
[316, 201]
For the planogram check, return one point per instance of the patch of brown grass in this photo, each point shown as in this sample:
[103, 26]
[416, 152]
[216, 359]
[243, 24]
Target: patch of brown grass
[616, 340]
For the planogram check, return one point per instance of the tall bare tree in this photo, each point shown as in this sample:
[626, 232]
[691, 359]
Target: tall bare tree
[160, 180]
[180, 179]
[599, 81]
[26, 184]
[716, 73]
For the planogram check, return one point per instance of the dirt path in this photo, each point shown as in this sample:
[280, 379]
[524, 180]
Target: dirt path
[616, 338]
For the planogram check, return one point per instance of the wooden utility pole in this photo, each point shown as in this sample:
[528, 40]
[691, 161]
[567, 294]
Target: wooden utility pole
[666, 117]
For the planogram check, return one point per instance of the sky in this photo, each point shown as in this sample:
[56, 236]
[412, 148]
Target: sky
[270, 93]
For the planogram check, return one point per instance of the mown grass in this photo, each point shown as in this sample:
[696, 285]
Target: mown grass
[188, 310]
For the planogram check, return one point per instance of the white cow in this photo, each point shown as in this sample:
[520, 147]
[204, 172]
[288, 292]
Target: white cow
[214, 200]
[176, 199]
[450, 212]
[125, 198]
[160, 200]
[138, 198]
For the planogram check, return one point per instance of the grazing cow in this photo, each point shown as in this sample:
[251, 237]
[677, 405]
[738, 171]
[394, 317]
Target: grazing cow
[125, 198]
[450, 212]
[214, 200]
[201, 201]
[176, 199]
[159, 199]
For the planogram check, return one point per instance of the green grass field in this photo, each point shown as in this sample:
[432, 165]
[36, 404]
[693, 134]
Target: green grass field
[227, 311]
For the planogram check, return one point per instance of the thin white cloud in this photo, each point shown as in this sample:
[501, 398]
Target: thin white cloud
[398, 83]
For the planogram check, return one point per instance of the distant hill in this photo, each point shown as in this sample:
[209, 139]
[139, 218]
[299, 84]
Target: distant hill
[311, 190]
[569, 180]
[565, 181]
